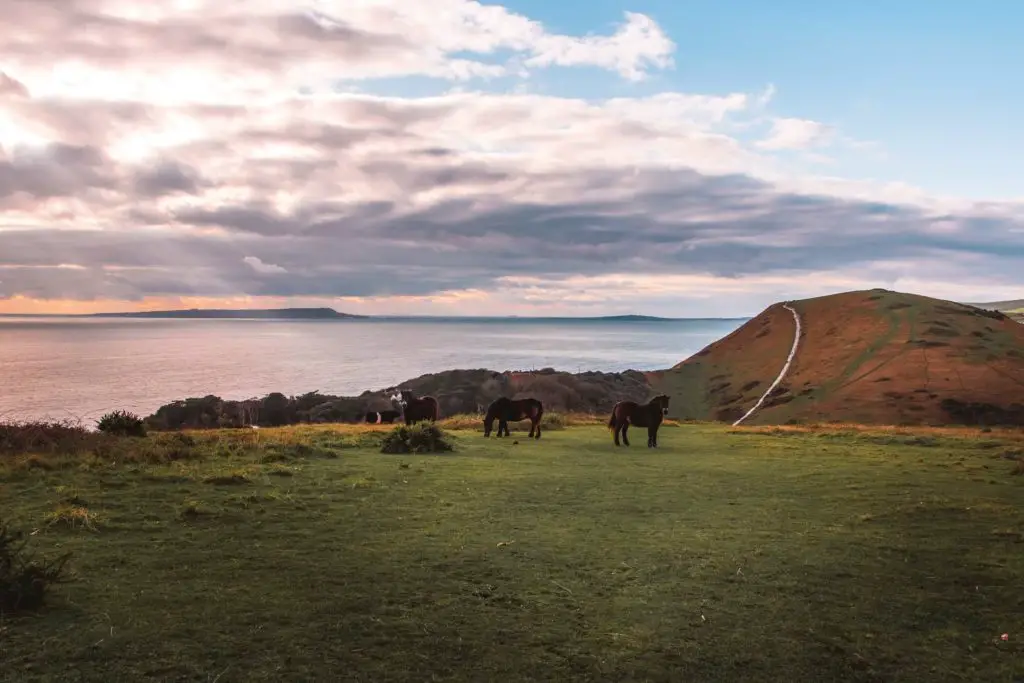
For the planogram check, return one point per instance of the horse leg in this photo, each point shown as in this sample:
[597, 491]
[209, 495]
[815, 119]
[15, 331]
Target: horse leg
[625, 433]
[502, 427]
[537, 435]
[652, 436]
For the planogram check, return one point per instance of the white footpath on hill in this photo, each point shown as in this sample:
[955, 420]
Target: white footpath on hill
[785, 368]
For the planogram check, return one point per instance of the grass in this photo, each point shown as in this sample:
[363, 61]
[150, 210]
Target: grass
[827, 552]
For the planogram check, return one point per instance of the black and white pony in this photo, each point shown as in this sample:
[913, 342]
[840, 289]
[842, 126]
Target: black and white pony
[416, 408]
[382, 417]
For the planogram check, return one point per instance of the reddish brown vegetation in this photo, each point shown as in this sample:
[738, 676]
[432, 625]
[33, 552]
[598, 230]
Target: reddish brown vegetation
[875, 357]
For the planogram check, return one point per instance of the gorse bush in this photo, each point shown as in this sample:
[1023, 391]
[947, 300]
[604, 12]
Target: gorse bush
[552, 420]
[44, 437]
[424, 437]
[23, 579]
[122, 423]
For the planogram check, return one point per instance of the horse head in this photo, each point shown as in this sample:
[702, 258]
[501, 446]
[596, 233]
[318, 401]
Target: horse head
[662, 402]
[489, 418]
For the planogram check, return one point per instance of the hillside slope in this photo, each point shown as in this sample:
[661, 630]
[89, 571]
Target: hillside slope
[1014, 308]
[1004, 306]
[874, 357]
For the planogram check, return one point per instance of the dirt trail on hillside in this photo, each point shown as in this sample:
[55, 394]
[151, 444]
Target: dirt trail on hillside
[785, 368]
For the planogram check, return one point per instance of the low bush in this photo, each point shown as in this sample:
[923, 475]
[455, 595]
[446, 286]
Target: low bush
[122, 423]
[44, 437]
[424, 437]
[554, 421]
[25, 580]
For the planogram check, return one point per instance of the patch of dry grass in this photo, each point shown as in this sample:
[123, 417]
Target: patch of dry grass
[73, 517]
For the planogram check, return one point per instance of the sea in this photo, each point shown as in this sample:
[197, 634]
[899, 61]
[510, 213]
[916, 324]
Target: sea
[78, 368]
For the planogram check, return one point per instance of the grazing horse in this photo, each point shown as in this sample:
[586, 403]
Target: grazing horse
[419, 408]
[382, 416]
[506, 410]
[650, 415]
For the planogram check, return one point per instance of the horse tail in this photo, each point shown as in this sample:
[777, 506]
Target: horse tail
[437, 410]
[611, 420]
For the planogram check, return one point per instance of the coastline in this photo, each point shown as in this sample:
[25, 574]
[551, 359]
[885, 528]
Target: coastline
[104, 364]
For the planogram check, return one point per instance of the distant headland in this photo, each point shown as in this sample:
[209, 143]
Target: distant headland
[331, 314]
[265, 313]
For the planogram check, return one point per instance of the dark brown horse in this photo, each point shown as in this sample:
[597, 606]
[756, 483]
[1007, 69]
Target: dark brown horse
[650, 415]
[506, 410]
[419, 408]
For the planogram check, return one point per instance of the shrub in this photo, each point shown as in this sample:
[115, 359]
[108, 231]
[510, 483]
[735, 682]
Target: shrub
[553, 421]
[424, 437]
[122, 423]
[179, 446]
[23, 579]
[44, 437]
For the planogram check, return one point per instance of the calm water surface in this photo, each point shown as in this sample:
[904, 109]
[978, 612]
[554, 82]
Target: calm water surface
[80, 368]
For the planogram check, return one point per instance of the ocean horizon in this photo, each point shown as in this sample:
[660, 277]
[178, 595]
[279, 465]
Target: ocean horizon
[77, 368]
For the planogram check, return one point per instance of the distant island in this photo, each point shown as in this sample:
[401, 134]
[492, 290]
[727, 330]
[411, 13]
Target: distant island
[331, 314]
[631, 318]
[265, 313]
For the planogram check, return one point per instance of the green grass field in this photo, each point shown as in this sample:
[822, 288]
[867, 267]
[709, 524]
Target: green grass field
[304, 554]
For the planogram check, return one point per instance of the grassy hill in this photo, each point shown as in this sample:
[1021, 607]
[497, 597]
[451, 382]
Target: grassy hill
[872, 357]
[304, 554]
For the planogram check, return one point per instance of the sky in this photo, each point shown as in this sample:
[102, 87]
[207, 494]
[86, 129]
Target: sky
[659, 157]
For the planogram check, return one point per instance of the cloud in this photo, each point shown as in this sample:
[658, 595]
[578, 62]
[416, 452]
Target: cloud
[239, 151]
[265, 44]
[261, 267]
[788, 133]
[637, 44]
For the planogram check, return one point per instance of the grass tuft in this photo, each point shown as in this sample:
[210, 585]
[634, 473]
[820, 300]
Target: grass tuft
[73, 517]
[192, 509]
